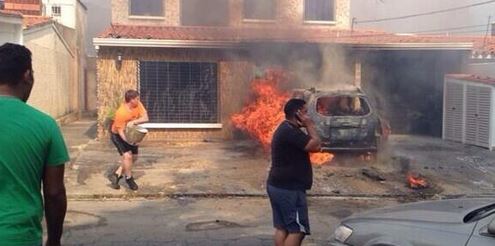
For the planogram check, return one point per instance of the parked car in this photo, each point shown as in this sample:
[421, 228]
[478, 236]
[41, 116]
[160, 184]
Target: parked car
[463, 222]
[345, 120]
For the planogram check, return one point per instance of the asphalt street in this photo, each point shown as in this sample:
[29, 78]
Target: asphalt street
[213, 192]
[196, 221]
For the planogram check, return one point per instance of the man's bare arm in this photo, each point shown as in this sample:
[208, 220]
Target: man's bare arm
[122, 134]
[55, 202]
[144, 118]
[314, 144]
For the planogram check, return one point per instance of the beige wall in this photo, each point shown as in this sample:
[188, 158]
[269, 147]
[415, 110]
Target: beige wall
[55, 87]
[90, 86]
[288, 13]
[81, 30]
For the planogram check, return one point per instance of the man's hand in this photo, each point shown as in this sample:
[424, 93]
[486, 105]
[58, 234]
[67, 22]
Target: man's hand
[131, 123]
[303, 119]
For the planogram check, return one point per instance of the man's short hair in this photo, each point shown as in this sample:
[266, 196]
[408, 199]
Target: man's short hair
[15, 60]
[292, 106]
[130, 94]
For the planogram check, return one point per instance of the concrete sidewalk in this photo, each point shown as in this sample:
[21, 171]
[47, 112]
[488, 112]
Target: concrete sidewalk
[239, 168]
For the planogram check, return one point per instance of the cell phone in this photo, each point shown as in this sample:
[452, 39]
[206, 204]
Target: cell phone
[298, 118]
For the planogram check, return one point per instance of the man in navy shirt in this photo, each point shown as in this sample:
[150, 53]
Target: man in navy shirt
[291, 173]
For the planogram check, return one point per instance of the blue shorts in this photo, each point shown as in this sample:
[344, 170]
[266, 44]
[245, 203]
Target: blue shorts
[289, 209]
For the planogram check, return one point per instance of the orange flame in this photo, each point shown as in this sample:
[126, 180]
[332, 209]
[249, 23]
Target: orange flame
[261, 117]
[416, 182]
[320, 158]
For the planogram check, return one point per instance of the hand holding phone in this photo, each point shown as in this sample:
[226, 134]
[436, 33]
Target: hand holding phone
[299, 120]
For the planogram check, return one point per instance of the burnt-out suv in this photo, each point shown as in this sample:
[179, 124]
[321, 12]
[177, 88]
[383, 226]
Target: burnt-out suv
[345, 120]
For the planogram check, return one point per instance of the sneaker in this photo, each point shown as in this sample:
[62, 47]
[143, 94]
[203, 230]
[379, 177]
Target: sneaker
[114, 179]
[130, 182]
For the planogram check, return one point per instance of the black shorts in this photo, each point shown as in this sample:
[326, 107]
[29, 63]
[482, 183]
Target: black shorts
[123, 146]
[289, 209]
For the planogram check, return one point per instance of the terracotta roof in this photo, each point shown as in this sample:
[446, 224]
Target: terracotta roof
[298, 35]
[10, 13]
[472, 78]
[31, 21]
[228, 33]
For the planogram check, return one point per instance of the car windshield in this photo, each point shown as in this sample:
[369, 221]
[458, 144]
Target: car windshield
[342, 106]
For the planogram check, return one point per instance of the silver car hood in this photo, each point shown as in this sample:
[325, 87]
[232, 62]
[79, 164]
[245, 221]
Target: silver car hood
[446, 211]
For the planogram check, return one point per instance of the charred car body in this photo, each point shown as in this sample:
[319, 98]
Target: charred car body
[345, 120]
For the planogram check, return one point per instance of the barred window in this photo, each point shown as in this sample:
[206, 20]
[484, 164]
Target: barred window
[319, 10]
[146, 7]
[179, 92]
[56, 10]
[204, 12]
[259, 9]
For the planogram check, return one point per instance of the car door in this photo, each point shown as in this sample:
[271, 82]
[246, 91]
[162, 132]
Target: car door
[480, 236]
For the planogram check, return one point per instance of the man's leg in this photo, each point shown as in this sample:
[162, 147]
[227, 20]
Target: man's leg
[294, 239]
[280, 236]
[118, 171]
[127, 166]
[127, 163]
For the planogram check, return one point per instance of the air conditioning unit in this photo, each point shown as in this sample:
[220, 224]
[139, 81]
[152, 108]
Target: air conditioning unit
[468, 110]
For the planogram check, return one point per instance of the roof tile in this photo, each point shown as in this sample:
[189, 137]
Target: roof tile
[310, 35]
[31, 21]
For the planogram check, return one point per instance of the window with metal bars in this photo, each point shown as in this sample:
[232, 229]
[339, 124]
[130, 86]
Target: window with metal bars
[56, 10]
[319, 10]
[179, 92]
[259, 9]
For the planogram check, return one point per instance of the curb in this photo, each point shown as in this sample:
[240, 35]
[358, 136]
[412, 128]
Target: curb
[152, 196]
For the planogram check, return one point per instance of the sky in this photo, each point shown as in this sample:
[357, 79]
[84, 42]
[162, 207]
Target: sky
[99, 17]
[375, 9]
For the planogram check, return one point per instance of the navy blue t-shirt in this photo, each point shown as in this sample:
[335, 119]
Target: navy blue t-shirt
[291, 168]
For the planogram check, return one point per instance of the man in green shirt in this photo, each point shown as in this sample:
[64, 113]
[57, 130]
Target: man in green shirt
[32, 151]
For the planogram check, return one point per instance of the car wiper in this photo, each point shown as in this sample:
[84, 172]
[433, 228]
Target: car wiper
[479, 213]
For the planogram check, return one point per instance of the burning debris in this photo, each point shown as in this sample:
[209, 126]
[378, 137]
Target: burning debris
[416, 181]
[262, 116]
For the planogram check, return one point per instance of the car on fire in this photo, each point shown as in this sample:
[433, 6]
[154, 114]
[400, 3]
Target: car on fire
[466, 222]
[345, 119]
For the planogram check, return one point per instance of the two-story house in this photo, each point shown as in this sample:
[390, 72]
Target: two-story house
[192, 60]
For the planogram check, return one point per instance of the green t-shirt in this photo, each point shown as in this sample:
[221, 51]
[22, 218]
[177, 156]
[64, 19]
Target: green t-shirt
[29, 140]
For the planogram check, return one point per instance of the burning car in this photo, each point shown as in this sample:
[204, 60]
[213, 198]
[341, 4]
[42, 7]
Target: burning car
[469, 221]
[345, 120]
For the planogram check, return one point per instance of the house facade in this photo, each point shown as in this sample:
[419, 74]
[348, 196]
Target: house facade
[59, 56]
[192, 85]
[25, 7]
[55, 90]
[193, 60]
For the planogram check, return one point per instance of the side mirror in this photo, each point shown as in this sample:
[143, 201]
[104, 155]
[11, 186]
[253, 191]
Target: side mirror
[491, 227]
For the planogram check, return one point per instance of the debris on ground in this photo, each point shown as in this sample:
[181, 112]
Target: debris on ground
[372, 174]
